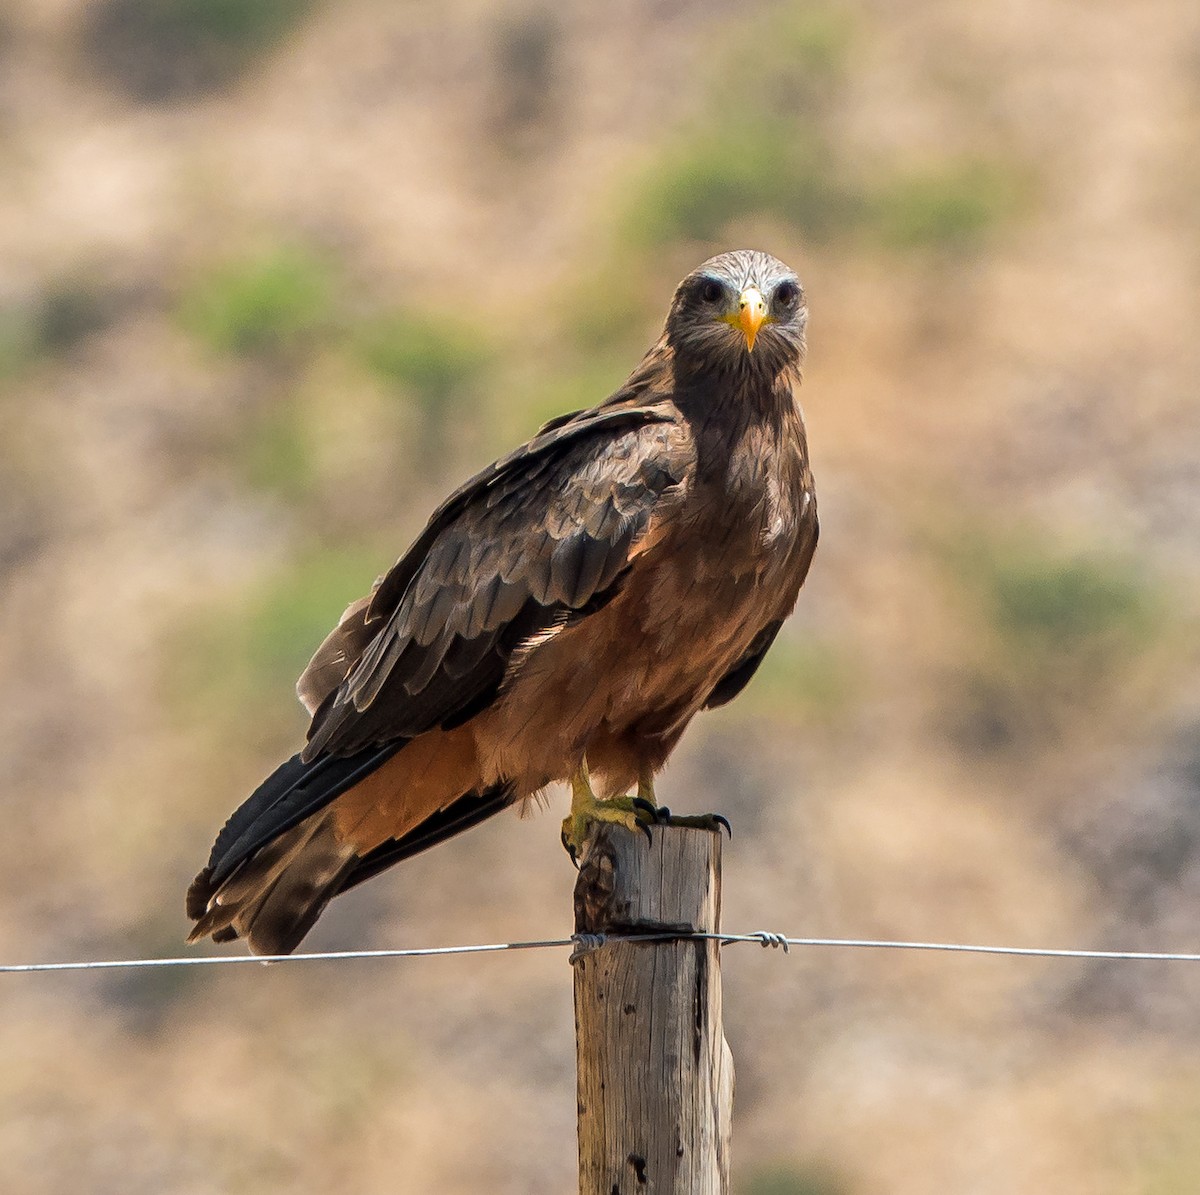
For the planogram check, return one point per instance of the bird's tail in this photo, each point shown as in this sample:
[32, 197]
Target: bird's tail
[276, 896]
[312, 830]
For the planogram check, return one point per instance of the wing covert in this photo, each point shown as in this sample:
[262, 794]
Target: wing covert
[535, 539]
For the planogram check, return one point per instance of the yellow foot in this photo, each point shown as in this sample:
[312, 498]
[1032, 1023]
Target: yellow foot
[660, 815]
[714, 822]
[634, 813]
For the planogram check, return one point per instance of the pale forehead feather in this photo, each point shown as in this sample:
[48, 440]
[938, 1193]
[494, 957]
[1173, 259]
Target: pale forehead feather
[747, 267]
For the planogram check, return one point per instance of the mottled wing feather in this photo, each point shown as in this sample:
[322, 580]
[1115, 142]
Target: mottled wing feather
[532, 541]
[528, 462]
[335, 657]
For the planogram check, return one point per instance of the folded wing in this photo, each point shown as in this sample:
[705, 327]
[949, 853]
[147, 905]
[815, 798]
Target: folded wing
[545, 535]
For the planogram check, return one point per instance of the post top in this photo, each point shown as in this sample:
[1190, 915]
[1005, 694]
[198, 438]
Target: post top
[629, 885]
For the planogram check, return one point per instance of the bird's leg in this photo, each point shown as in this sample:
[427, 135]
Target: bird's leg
[645, 800]
[587, 809]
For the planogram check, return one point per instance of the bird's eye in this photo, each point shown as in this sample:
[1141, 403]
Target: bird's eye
[787, 294]
[711, 291]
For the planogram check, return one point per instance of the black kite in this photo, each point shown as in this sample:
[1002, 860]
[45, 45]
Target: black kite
[563, 616]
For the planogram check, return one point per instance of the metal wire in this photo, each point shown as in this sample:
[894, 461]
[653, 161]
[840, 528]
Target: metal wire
[584, 944]
[235, 959]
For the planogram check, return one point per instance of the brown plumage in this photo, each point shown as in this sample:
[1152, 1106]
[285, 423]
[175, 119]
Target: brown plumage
[579, 600]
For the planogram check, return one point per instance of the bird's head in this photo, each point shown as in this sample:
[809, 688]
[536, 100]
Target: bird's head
[742, 312]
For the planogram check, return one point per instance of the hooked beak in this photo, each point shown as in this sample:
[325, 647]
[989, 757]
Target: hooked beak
[752, 310]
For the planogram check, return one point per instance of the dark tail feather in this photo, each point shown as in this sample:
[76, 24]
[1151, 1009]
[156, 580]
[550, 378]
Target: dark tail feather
[275, 898]
[273, 894]
[276, 859]
[291, 793]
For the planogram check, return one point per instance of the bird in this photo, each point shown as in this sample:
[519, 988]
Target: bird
[562, 617]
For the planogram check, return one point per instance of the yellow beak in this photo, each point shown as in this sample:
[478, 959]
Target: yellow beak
[752, 310]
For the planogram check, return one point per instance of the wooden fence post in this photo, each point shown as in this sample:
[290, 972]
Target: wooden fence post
[655, 1076]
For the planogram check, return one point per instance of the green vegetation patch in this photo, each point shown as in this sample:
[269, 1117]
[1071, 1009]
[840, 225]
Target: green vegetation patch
[1056, 604]
[951, 206]
[768, 145]
[285, 622]
[764, 146]
[276, 452]
[613, 311]
[246, 654]
[270, 303]
[572, 390]
[430, 357]
[753, 167]
[1066, 633]
[801, 678]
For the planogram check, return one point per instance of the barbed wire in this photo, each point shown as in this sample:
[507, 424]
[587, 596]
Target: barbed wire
[584, 944]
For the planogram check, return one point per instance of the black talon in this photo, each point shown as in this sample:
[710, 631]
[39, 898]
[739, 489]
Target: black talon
[723, 822]
[570, 849]
[645, 828]
[647, 807]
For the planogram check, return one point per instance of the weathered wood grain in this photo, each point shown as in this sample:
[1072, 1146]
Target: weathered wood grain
[655, 1076]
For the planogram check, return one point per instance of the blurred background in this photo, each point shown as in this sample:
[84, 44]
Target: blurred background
[274, 276]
